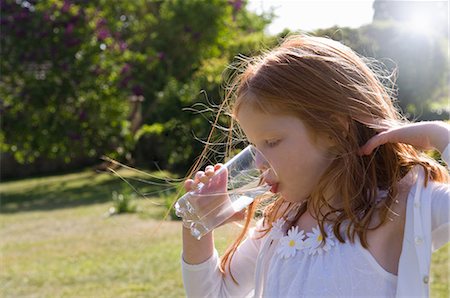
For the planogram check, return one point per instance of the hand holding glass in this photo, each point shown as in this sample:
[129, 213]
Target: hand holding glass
[232, 188]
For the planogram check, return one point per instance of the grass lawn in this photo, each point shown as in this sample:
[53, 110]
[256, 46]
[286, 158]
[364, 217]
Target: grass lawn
[55, 241]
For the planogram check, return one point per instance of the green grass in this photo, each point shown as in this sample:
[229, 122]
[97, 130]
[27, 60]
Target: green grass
[55, 241]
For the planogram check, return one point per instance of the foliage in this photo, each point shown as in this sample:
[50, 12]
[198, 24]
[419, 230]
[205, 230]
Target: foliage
[101, 77]
[122, 204]
[124, 78]
[205, 45]
[420, 61]
[59, 87]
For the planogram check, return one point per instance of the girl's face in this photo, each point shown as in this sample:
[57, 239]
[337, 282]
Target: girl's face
[298, 161]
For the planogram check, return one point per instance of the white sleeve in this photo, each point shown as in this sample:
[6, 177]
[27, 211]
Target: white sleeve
[446, 155]
[206, 280]
[440, 205]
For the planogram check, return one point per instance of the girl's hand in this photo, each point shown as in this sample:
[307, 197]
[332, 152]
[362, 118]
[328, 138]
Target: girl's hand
[214, 180]
[423, 135]
[202, 177]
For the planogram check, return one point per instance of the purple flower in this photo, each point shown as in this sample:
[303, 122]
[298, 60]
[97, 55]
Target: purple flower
[21, 16]
[124, 82]
[71, 42]
[75, 18]
[66, 6]
[237, 4]
[69, 28]
[123, 46]
[82, 115]
[102, 34]
[46, 16]
[137, 90]
[161, 55]
[101, 22]
[125, 69]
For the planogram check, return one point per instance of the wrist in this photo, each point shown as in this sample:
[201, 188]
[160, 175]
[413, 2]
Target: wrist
[442, 138]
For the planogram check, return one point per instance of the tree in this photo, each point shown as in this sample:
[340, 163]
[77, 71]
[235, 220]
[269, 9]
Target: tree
[112, 77]
[59, 84]
[419, 59]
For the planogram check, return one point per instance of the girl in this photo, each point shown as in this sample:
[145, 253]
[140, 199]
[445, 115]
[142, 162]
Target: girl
[357, 208]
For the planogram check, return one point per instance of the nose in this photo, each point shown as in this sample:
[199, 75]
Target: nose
[261, 162]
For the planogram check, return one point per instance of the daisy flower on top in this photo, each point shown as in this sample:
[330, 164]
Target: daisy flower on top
[277, 231]
[291, 243]
[315, 242]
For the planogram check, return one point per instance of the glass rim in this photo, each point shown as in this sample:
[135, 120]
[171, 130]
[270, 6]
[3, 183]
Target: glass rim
[254, 148]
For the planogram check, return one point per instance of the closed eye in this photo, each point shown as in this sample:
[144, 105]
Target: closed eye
[272, 143]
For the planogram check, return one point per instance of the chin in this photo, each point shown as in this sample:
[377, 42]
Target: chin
[292, 198]
[288, 198]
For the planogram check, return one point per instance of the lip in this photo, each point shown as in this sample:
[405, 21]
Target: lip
[274, 187]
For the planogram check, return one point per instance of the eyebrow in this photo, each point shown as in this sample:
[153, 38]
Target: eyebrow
[265, 135]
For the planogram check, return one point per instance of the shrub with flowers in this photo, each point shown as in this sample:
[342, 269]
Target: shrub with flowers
[87, 78]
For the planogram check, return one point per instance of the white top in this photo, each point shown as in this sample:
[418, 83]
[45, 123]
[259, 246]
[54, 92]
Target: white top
[297, 269]
[303, 268]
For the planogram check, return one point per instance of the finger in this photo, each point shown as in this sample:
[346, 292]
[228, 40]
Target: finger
[204, 178]
[218, 166]
[374, 142]
[198, 175]
[209, 171]
[189, 184]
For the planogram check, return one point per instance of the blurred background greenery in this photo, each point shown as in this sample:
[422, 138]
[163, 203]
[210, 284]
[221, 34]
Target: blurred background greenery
[82, 79]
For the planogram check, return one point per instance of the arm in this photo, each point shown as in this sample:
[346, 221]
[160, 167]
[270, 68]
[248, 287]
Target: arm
[425, 135]
[206, 280]
[440, 220]
[197, 251]
[200, 261]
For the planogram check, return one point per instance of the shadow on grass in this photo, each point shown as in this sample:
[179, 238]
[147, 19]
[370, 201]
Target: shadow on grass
[51, 195]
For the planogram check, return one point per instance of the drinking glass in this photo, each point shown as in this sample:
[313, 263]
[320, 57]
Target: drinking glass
[232, 188]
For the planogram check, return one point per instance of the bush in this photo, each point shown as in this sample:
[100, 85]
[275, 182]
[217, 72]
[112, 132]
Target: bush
[122, 204]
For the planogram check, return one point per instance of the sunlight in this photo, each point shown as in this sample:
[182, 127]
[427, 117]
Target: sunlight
[420, 23]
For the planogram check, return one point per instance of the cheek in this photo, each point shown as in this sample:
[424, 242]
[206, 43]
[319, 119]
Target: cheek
[306, 163]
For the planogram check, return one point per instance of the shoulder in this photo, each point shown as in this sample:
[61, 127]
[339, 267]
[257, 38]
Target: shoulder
[433, 199]
[439, 195]
[429, 189]
[434, 190]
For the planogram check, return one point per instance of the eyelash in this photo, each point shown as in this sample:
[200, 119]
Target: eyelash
[272, 143]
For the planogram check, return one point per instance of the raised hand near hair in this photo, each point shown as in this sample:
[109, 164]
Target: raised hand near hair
[424, 135]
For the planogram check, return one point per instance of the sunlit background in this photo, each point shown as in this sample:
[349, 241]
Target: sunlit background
[307, 15]
[311, 15]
